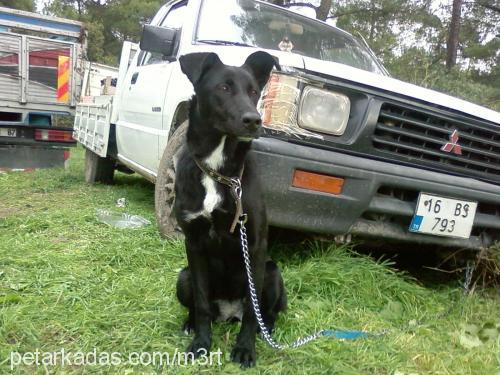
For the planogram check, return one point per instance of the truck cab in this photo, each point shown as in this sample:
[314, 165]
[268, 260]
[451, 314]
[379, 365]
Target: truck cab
[330, 113]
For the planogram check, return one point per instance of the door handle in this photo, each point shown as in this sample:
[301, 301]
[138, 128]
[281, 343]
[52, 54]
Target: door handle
[134, 78]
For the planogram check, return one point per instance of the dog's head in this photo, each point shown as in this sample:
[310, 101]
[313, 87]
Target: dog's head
[227, 95]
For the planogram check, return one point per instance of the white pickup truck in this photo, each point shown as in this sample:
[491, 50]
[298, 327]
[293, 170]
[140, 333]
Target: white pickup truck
[347, 150]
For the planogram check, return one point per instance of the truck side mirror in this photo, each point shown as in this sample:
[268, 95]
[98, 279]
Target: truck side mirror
[159, 39]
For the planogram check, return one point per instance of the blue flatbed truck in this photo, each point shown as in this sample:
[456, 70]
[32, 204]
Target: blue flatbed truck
[41, 71]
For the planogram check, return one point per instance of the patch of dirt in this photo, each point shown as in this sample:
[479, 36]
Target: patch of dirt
[5, 212]
[12, 339]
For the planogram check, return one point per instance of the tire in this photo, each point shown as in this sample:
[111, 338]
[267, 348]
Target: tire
[98, 169]
[164, 188]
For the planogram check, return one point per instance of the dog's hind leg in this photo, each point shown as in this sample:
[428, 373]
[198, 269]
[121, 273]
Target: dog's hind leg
[185, 297]
[200, 288]
[273, 295]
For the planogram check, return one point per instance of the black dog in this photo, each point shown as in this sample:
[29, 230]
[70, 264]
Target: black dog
[223, 121]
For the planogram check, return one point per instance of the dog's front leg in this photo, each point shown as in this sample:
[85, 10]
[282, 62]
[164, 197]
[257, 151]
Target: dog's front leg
[198, 264]
[244, 350]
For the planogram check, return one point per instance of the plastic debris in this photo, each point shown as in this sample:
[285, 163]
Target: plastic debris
[121, 202]
[121, 220]
[344, 335]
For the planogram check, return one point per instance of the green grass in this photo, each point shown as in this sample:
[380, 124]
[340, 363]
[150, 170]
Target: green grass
[68, 281]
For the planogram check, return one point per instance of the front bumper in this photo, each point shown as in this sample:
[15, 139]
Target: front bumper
[378, 198]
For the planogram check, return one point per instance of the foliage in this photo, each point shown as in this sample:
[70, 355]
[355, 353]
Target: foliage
[417, 66]
[108, 23]
[28, 5]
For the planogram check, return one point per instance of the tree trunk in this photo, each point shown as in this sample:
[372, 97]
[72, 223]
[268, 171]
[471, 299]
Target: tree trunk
[452, 43]
[323, 10]
[372, 21]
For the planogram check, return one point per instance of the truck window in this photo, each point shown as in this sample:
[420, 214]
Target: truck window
[261, 25]
[174, 19]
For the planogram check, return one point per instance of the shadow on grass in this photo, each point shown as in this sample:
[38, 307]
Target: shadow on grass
[135, 180]
[430, 266]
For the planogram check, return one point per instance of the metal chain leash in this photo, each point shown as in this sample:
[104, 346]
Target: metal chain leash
[255, 301]
[237, 191]
[469, 271]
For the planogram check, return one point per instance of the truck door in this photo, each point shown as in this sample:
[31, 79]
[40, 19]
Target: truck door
[139, 123]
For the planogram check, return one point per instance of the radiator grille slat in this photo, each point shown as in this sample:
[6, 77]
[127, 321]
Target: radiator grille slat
[428, 126]
[418, 136]
[438, 142]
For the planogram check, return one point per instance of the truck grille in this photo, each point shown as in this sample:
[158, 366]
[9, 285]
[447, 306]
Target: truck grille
[418, 137]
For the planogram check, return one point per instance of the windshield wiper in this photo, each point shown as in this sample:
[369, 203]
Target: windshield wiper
[223, 42]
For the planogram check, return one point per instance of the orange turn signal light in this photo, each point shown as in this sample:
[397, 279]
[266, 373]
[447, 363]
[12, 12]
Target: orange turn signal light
[317, 182]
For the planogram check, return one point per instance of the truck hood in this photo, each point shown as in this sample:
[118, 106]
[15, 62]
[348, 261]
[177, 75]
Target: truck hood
[396, 86]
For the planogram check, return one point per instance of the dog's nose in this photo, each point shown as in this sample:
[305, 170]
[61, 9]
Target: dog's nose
[251, 120]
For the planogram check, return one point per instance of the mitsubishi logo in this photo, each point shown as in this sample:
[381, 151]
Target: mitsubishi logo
[452, 145]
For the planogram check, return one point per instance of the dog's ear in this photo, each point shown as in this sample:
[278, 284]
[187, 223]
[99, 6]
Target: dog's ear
[194, 65]
[260, 64]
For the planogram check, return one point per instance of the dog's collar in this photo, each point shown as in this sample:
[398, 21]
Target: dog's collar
[228, 181]
[234, 184]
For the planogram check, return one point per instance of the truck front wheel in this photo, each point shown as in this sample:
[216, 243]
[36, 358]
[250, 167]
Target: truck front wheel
[98, 169]
[165, 181]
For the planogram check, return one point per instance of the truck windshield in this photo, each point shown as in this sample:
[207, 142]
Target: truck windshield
[251, 23]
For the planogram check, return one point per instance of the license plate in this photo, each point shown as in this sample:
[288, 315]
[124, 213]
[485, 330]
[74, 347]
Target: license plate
[443, 216]
[8, 132]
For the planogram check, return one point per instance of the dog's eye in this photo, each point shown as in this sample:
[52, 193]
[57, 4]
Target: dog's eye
[224, 87]
[253, 92]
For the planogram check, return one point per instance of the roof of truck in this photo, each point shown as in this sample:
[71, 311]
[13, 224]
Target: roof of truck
[38, 22]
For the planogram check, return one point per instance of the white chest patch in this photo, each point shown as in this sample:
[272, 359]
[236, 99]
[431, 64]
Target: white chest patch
[215, 160]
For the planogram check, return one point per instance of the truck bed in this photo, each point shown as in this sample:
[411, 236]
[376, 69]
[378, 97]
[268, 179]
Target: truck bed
[40, 62]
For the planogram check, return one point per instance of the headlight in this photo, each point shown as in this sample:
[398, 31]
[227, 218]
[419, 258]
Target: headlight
[324, 111]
